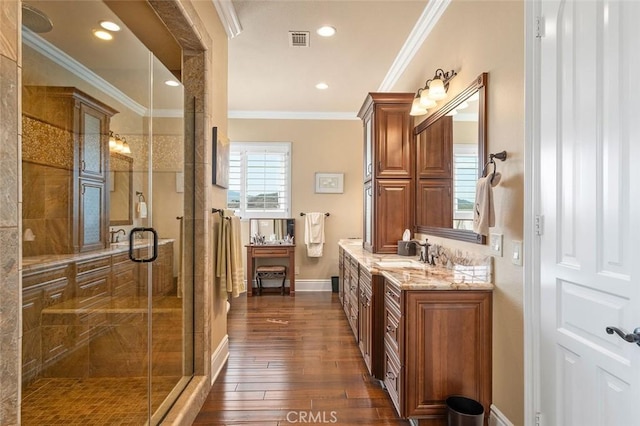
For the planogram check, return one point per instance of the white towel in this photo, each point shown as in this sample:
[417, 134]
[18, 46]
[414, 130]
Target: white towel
[141, 208]
[314, 233]
[483, 213]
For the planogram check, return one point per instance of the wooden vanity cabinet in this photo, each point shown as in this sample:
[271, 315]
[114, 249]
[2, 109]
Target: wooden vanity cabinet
[387, 156]
[352, 307]
[437, 344]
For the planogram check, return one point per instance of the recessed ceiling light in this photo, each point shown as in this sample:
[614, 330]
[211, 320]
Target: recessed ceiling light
[103, 35]
[111, 26]
[322, 86]
[326, 31]
[172, 83]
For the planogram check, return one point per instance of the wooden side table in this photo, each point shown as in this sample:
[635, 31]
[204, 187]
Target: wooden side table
[269, 252]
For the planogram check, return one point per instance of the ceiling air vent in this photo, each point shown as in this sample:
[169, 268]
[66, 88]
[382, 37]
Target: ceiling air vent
[299, 38]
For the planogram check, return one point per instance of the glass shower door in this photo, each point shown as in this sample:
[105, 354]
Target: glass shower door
[105, 339]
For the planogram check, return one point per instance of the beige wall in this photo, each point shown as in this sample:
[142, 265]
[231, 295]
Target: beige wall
[487, 36]
[215, 115]
[316, 146]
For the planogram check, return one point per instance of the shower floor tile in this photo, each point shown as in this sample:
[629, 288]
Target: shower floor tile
[93, 401]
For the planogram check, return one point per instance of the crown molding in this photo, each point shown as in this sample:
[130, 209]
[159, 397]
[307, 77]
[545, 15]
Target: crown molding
[228, 17]
[427, 20]
[292, 115]
[56, 55]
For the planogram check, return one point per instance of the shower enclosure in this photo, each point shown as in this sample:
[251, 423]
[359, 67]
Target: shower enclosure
[107, 316]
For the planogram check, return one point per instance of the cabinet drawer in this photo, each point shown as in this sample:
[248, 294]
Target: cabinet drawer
[271, 251]
[92, 265]
[92, 287]
[392, 331]
[393, 379]
[119, 258]
[32, 278]
[392, 297]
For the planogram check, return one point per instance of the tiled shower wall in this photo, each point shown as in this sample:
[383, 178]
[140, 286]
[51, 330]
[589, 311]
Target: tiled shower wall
[10, 206]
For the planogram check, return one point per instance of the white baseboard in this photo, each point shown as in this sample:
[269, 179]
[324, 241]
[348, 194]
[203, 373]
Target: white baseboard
[313, 285]
[219, 358]
[496, 418]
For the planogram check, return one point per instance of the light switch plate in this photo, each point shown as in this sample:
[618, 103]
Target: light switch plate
[516, 256]
[495, 243]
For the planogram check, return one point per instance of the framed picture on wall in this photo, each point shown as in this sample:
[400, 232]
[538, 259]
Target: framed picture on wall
[330, 183]
[220, 160]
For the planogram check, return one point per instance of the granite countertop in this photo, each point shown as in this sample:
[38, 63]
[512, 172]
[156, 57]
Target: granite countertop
[49, 260]
[407, 272]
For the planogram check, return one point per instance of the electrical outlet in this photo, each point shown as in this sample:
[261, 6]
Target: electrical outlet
[516, 256]
[495, 243]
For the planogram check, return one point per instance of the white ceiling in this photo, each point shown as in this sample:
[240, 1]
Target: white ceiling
[267, 77]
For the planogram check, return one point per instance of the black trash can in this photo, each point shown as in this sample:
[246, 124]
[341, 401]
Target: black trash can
[334, 284]
[462, 411]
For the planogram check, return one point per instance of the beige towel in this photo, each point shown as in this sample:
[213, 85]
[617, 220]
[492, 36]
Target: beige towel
[229, 259]
[483, 214]
[314, 233]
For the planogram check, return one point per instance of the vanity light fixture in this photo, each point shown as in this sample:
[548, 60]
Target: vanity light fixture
[322, 86]
[438, 85]
[112, 141]
[416, 106]
[435, 89]
[125, 147]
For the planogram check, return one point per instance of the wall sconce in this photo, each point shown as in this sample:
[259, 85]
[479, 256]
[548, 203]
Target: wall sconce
[435, 89]
[118, 144]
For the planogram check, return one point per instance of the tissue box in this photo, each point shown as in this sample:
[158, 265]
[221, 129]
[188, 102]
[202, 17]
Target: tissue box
[406, 248]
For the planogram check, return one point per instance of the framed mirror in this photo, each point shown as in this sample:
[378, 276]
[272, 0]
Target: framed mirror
[120, 189]
[272, 231]
[450, 153]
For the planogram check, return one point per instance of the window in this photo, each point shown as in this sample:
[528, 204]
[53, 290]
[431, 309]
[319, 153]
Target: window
[465, 169]
[260, 179]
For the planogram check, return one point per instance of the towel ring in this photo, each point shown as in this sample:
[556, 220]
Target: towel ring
[500, 156]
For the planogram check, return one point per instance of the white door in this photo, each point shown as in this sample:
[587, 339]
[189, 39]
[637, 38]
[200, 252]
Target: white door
[590, 201]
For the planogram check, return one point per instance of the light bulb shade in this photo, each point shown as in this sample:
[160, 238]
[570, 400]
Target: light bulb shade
[112, 141]
[437, 91]
[417, 108]
[119, 145]
[425, 101]
[452, 113]
[125, 147]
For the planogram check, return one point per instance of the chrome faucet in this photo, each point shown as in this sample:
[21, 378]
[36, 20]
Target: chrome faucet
[424, 249]
[115, 235]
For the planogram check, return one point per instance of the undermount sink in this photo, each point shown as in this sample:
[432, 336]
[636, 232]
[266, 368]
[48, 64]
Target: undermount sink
[399, 264]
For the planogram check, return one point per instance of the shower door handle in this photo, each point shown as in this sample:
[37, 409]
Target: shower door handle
[154, 253]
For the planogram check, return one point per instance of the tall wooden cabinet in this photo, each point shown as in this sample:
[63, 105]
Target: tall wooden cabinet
[388, 169]
[65, 161]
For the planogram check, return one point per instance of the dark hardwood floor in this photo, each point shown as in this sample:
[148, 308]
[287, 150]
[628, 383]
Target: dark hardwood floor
[294, 360]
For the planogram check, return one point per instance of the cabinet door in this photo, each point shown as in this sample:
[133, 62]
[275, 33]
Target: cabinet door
[367, 242]
[435, 150]
[93, 145]
[393, 141]
[450, 342]
[365, 320]
[434, 203]
[393, 207]
[368, 147]
[92, 223]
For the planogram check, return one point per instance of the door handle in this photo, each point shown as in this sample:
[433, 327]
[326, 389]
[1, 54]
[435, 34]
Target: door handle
[154, 254]
[628, 337]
